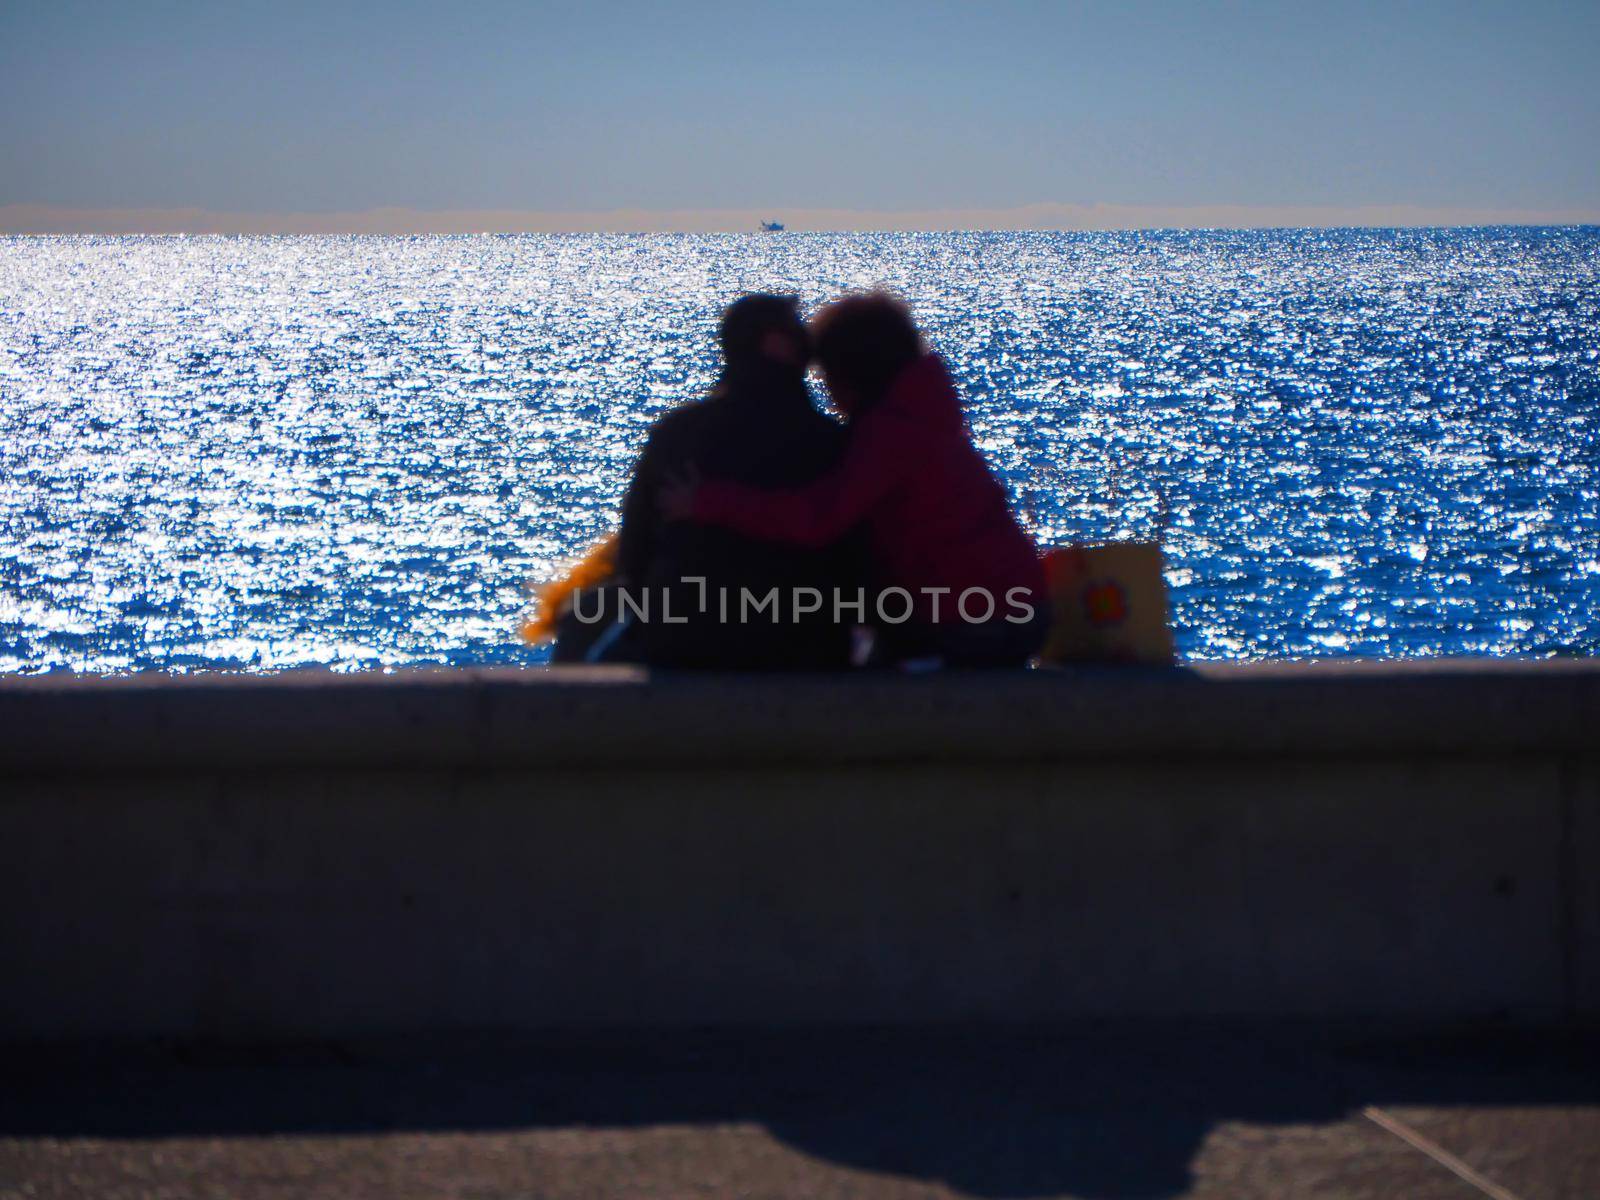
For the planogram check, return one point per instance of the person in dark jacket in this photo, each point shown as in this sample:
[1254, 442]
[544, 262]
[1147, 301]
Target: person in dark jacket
[759, 427]
[939, 525]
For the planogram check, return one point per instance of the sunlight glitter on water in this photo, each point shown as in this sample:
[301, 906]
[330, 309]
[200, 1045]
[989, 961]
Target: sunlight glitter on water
[266, 452]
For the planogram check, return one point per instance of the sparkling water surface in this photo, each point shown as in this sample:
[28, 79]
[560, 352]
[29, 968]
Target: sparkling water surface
[257, 453]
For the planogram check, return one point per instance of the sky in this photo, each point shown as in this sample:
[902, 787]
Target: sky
[701, 114]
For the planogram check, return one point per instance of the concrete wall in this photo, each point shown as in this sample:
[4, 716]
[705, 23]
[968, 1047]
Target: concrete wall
[310, 854]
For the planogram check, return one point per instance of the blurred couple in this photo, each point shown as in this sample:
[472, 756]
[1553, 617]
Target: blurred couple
[759, 533]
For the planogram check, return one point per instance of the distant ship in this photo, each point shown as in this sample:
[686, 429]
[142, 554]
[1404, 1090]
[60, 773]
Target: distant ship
[772, 227]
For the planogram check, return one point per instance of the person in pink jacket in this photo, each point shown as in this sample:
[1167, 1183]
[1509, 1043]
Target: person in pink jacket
[939, 524]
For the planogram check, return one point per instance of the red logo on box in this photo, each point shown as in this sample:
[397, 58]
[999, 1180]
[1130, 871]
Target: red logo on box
[1105, 603]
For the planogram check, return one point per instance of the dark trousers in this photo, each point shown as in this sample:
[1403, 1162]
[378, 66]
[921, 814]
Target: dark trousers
[964, 644]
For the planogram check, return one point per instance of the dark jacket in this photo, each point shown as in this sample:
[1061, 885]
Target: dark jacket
[935, 515]
[761, 429]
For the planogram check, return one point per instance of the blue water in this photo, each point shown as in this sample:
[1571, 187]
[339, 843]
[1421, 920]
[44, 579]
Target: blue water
[266, 452]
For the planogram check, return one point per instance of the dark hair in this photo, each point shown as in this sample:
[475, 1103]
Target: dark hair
[750, 318]
[865, 341]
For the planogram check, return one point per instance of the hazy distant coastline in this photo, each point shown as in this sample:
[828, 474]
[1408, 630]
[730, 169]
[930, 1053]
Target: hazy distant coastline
[46, 219]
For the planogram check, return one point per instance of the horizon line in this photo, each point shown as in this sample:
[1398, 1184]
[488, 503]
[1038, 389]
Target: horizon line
[45, 220]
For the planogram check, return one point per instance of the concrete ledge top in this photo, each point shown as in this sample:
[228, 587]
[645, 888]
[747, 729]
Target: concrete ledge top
[617, 717]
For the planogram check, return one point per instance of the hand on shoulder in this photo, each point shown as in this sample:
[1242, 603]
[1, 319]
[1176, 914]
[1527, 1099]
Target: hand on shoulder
[676, 495]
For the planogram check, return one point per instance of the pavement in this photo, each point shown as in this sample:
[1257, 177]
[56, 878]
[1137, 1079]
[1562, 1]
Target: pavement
[1230, 1112]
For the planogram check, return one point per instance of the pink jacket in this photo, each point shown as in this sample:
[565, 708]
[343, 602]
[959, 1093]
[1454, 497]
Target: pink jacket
[936, 515]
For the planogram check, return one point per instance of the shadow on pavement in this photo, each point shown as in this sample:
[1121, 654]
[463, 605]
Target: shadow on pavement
[1110, 1111]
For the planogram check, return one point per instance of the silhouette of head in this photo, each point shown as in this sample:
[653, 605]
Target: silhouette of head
[862, 343]
[763, 329]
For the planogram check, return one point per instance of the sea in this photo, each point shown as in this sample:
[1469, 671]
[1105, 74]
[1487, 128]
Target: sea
[258, 453]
